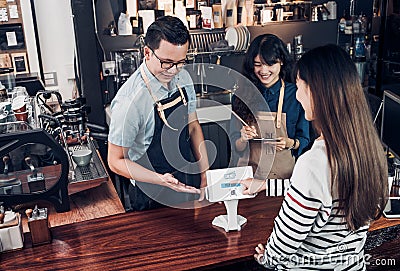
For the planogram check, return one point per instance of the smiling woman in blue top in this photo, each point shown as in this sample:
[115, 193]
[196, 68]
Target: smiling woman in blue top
[268, 66]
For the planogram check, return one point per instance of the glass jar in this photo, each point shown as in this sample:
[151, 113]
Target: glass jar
[360, 47]
[7, 78]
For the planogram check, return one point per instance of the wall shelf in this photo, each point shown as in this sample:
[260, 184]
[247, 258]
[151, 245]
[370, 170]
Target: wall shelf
[11, 54]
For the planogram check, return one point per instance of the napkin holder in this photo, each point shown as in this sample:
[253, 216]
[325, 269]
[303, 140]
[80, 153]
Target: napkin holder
[38, 224]
[11, 234]
[36, 182]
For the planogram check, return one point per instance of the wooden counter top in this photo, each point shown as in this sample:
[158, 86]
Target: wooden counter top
[163, 239]
[93, 203]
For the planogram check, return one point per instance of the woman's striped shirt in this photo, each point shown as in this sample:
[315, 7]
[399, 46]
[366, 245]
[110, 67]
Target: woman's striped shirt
[309, 233]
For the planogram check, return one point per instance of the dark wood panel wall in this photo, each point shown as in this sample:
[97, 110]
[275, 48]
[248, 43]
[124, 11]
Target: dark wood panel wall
[89, 64]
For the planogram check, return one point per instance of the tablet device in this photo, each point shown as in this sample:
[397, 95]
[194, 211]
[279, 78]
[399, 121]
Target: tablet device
[392, 209]
[222, 183]
[266, 139]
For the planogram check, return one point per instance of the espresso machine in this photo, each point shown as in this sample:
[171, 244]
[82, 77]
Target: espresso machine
[67, 122]
[33, 166]
[52, 159]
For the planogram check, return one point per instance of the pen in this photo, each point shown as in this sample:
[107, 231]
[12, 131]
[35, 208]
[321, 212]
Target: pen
[239, 118]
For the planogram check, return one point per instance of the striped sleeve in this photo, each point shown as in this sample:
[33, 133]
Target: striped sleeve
[299, 211]
[276, 187]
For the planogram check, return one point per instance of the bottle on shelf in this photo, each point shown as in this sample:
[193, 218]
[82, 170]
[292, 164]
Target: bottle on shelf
[241, 13]
[349, 26]
[217, 15]
[324, 12]
[364, 23]
[231, 14]
[298, 46]
[360, 47]
[331, 6]
[351, 51]
[359, 57]
[356, 25]
[249, 7]
[342, 22]
[289, 48]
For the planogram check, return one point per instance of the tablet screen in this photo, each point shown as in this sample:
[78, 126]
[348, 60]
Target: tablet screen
[392, 209]
[266, 139]
[222, 184]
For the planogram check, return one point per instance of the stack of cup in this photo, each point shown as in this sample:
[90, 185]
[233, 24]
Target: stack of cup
[5, 108]
[19, 108]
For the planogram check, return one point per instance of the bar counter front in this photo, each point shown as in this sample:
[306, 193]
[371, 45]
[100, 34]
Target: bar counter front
[176, 239]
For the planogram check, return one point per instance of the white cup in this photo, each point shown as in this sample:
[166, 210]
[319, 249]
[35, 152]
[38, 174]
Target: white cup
[17, 92]
[266, 16]
[19, 104]
[279, 14]
[20, 91]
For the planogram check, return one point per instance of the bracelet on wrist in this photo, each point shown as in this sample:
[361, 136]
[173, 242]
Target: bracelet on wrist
[294, 144]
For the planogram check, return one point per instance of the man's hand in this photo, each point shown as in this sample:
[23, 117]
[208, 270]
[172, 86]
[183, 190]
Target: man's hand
[203, 186]
[169, 181]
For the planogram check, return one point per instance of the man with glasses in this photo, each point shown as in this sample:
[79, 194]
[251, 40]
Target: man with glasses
[154, 124]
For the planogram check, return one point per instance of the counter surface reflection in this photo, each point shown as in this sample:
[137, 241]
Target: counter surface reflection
[170, 239]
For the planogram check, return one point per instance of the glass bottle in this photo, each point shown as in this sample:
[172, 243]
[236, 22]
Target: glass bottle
[342, 22]
[359, 47]
[364, 23]
[356, 25]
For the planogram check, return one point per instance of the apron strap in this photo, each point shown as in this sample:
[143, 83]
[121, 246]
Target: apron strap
[160, 106]
[147, 82]
[182, 95]
[280, 105]
[161, 114]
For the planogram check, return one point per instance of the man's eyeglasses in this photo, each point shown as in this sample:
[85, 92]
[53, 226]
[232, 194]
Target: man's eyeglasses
[166, 65]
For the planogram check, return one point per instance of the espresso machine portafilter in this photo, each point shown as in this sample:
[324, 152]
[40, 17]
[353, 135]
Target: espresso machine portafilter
[75, 117]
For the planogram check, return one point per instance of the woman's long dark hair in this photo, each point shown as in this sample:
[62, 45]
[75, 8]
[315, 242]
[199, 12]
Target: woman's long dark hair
[271, 50]
[341, 114]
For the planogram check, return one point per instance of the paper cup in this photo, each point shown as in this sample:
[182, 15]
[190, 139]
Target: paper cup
[21, 116]
[20, 91]
[19, 104]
